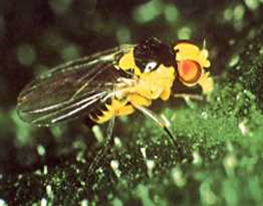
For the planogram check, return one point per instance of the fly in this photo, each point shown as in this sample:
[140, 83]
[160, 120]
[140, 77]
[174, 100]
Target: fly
[116, 82]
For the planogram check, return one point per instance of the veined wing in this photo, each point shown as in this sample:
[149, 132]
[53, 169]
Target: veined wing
[70, 90]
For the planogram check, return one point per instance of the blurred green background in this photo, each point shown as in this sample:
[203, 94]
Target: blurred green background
[222, 138]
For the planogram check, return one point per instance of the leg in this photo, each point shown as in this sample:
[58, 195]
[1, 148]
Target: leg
[161, 123]
[106, 146]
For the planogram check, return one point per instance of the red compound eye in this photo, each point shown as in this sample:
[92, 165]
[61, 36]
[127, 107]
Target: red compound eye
[189, 71]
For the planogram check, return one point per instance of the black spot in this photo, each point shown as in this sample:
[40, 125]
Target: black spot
[108, 101]
[93, 114]
[96, 112]
[153, 50]
[103, 108]
[100, 107]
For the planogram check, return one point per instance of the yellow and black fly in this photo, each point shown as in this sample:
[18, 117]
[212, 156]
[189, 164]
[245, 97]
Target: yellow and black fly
[114, 83]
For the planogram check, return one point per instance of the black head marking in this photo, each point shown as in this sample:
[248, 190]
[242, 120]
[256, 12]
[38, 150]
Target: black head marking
[153, 50]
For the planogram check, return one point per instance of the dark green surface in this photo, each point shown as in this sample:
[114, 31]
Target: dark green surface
[221, 138]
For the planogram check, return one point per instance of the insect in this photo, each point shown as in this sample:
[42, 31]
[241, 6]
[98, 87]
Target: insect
[114, 83]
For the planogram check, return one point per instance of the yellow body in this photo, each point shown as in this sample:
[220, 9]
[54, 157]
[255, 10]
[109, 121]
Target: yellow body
[148, 86]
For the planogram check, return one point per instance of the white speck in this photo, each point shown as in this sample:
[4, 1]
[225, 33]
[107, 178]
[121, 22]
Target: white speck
[97, 133]
[41, 150]
[150, 165]
[232, 42]
[115, 166]
[143, 151]
[117, 142]
[80, 157]
[49, 191]
[234, 61]
[45, 170]
[243, 127]
[84, 202]
[99, 170]
[38, 172]
[43, 202]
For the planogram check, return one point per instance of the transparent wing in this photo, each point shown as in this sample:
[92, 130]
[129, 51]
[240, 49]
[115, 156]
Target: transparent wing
[70, 90]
